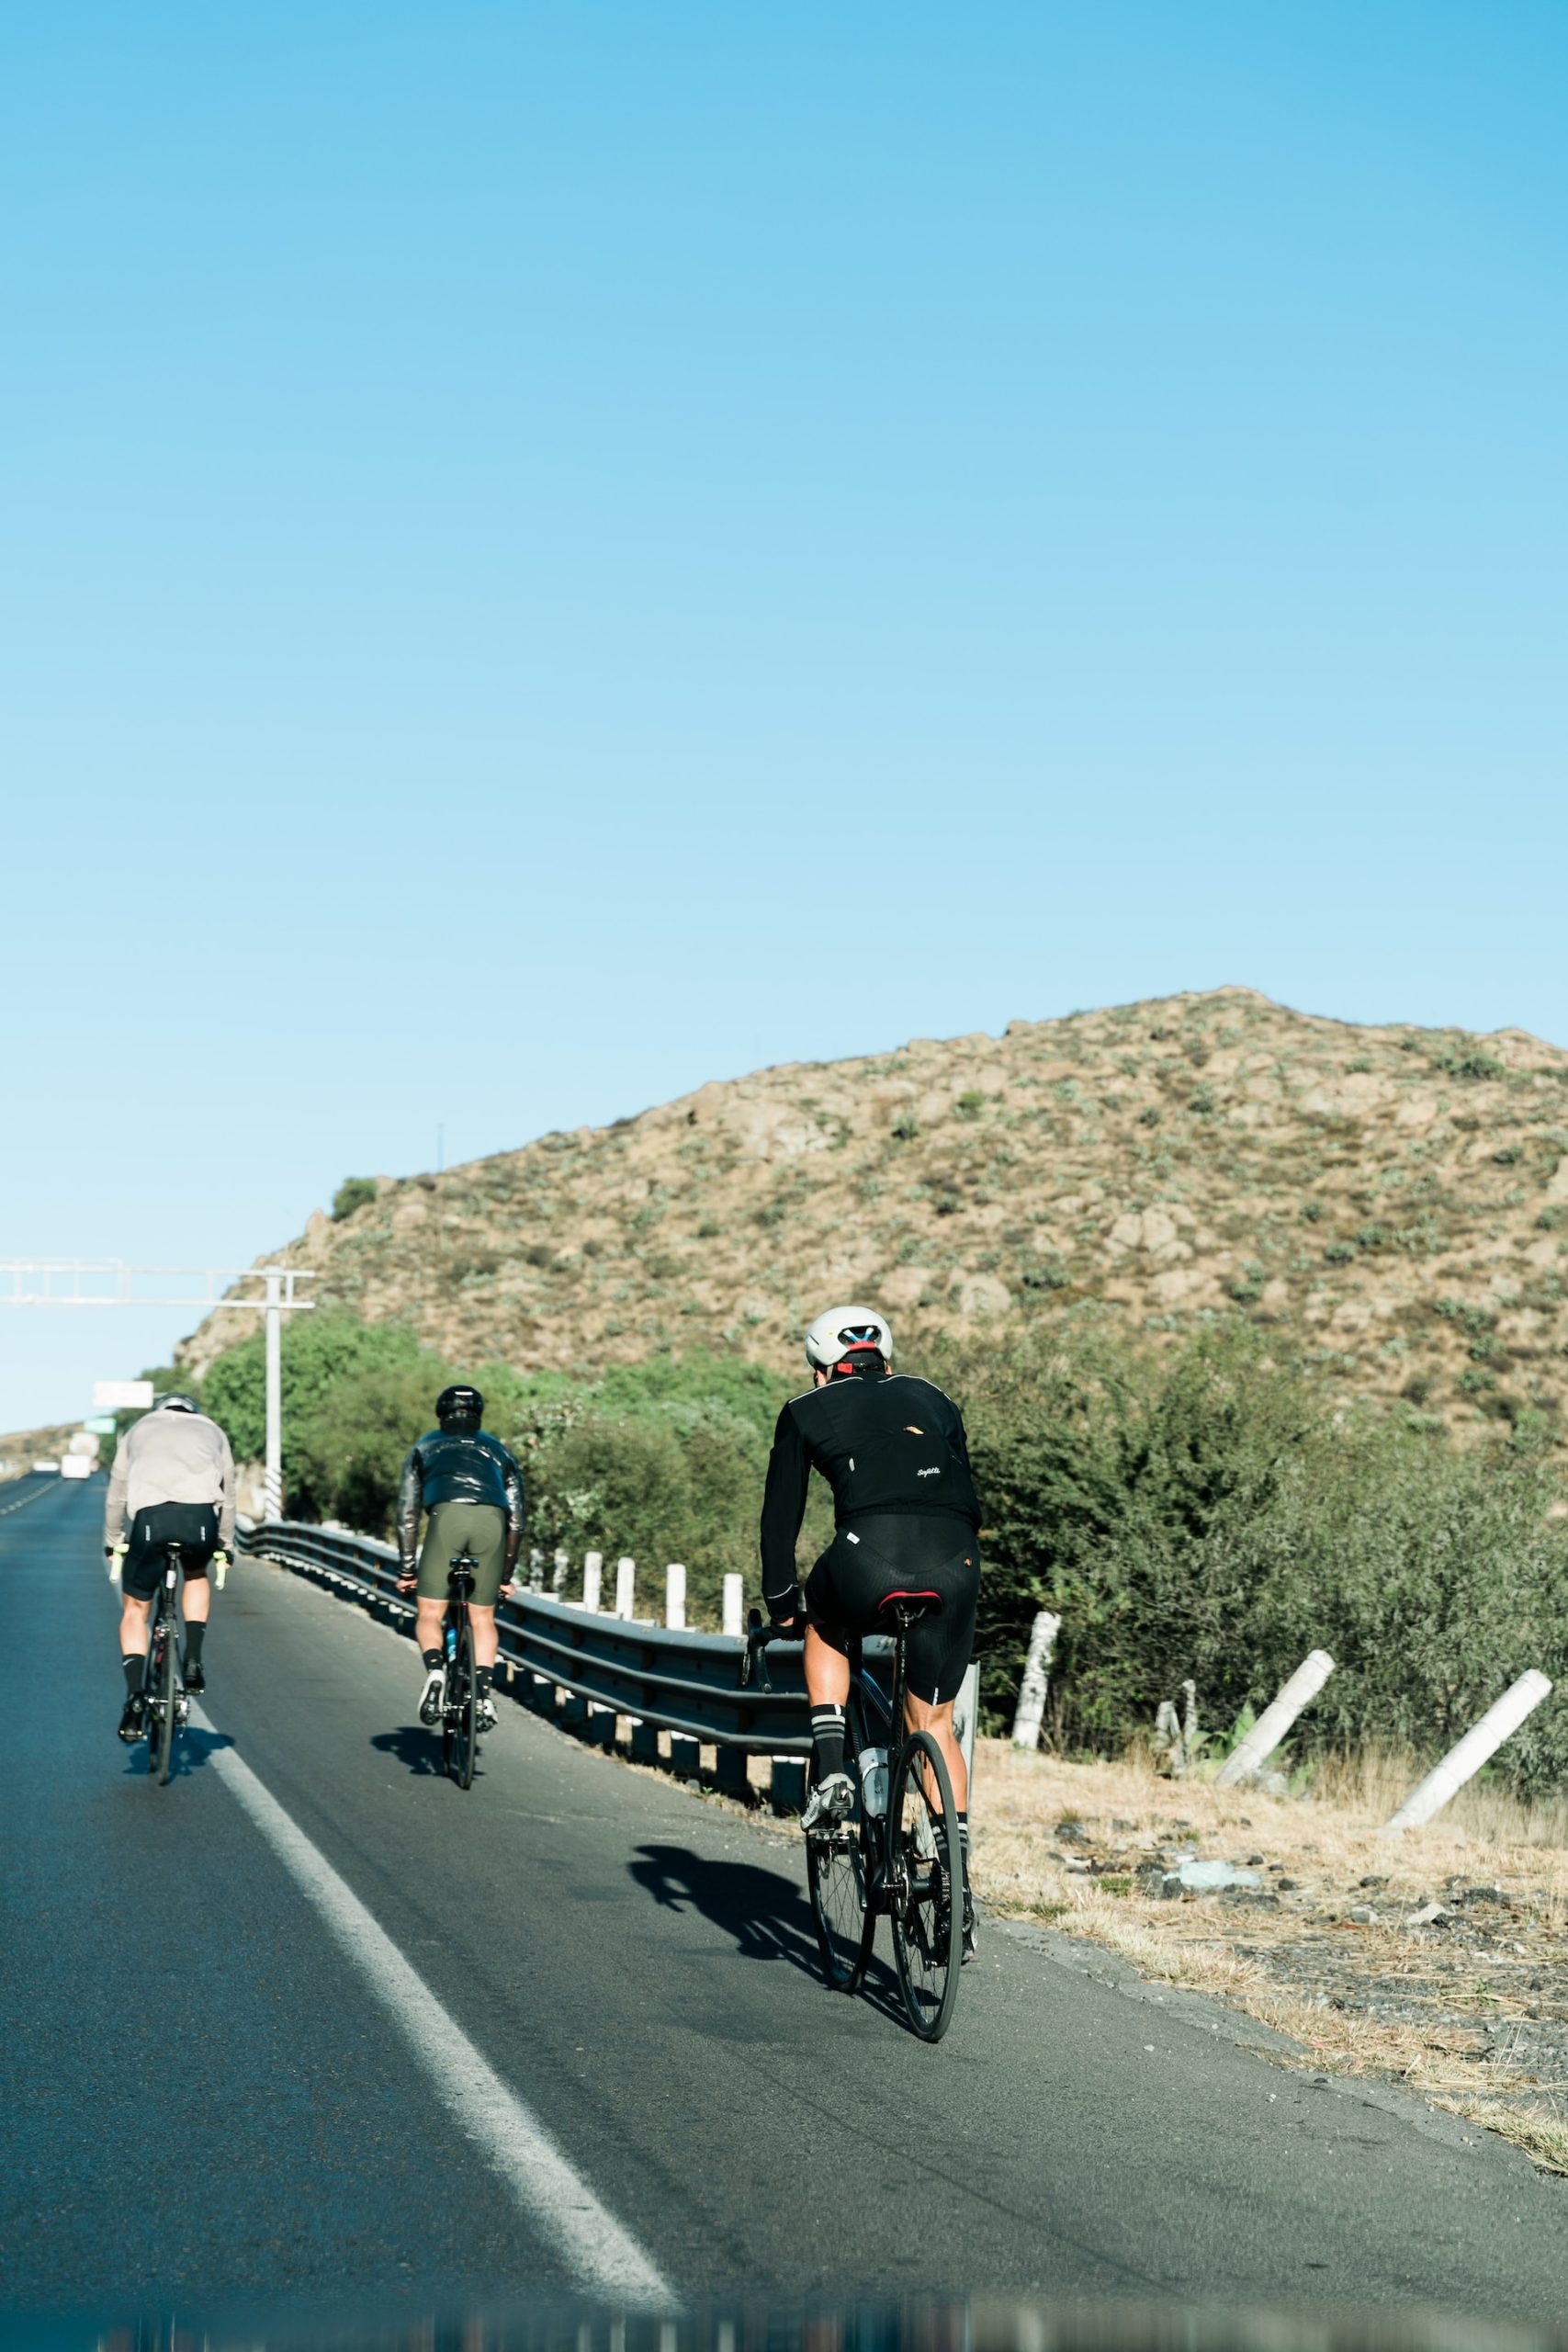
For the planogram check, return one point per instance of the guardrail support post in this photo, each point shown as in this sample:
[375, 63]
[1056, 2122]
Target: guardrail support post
[787, 1787]
[734, 1605]
[626, 1584]
[1483, 1739]
[731, 1774]
[593, 1572]
[685, 1757]
[675, 1597]
[601, 1726]
[645, 1743]
[1276, 1719]
[1031, 1690]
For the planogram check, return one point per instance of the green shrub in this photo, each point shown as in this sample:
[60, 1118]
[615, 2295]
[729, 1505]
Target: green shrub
[1339, 1253]
[354, 1192]
[355, 1397]
[969, 1103]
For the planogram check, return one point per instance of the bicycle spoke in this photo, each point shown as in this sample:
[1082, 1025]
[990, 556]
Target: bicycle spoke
[836, 1871]
[926, 1892]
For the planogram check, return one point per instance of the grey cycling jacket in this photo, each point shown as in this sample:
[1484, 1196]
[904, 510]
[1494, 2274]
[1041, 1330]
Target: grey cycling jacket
[171, 1458]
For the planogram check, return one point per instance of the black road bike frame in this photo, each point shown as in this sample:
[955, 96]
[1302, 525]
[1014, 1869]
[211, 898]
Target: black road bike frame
[163, 1693]
[898, 1853]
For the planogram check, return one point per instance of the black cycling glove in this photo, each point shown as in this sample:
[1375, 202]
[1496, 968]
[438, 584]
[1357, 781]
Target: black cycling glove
[786, 1608]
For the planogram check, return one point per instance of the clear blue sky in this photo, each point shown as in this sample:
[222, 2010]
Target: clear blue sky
[554, 553]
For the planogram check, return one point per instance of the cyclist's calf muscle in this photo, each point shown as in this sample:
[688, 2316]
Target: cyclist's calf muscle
[828, 1685]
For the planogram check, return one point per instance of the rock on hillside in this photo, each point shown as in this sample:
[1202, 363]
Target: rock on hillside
[1397, 1196]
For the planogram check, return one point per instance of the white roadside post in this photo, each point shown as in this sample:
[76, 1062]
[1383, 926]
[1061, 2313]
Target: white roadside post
[1031, 1710]
[1498, 1723]
[1275, 1721]
[965, 1711]
[734, 1604]
[272, 1478]
[563, 1561]
[626, 1582]
[675, 1597]
[593, 1572]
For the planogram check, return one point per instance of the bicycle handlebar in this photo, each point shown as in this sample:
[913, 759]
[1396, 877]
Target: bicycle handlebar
[754, 1665]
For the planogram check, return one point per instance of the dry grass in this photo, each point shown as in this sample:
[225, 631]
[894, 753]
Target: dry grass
[1457, 2013]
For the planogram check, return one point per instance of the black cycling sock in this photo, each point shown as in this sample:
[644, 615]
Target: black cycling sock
[135, 1673]
[964, 1840]
[433, 1660]
[828, 1740]
[194, 1636]
[481, 1678]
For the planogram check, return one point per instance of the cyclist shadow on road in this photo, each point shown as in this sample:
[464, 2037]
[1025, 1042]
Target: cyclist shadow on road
[192, 1749]
[412, 1744]
[767, 1913]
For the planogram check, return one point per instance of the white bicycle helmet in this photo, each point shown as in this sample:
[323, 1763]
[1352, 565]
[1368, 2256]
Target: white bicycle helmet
[841, 1331]
[173, 1404]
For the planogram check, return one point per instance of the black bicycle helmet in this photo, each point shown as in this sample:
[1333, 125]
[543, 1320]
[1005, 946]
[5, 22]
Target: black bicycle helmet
[460, 1404]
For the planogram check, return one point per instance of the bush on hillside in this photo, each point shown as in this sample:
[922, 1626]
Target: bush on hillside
[354, 1192]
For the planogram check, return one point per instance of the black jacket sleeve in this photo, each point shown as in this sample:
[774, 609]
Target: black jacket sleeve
[784, 1507]
[516, 1507]
[411, 1494]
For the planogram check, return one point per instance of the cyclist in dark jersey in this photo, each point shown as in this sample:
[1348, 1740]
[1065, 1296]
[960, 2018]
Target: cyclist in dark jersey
[893, 1450]
[470, 1485]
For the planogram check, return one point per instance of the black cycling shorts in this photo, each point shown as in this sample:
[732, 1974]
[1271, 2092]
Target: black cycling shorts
[882, 1552]
[192, 1526]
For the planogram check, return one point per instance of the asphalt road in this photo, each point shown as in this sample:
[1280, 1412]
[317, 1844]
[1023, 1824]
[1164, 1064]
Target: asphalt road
[208, 2098]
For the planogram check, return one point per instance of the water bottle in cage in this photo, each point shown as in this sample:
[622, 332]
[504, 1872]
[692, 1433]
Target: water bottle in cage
[873, 1763]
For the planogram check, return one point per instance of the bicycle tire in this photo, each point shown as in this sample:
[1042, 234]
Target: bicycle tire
[464, 1715]
[926, 1887]
[838, 1873]
[149, 1674]
[170, 1698]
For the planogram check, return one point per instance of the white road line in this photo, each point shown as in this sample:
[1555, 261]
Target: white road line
[581, 2232]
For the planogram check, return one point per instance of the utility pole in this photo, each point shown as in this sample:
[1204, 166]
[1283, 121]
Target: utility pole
[109, 1281]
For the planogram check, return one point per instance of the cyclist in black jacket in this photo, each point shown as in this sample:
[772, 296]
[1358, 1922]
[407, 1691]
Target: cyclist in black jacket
[472, 1488]
[893, 1450]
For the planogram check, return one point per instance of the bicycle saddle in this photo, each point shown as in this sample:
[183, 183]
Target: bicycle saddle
[911, 1605]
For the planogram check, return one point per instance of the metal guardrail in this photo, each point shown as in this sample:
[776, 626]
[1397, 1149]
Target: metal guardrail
[685, 1683]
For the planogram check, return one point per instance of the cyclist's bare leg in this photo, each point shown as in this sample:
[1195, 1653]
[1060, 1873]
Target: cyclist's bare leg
[133, 1627]
[827, 1672]
[486, 1639]
[919, 1715]
[430, 1617]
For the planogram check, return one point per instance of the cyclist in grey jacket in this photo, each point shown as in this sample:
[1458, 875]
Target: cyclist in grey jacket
[472, 1488]
[172, 1480]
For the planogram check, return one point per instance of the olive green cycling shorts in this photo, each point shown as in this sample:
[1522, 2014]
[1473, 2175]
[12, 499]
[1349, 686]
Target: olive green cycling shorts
[482, 1528]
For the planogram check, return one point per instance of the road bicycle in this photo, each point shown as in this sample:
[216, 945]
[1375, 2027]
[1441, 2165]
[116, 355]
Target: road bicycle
[898, 1852]
[165, 1706]
[459, 1694]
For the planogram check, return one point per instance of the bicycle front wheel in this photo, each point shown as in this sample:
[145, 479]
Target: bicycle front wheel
[836, 1874]
[926, 1888]
[461, 1731]
[167, 1702]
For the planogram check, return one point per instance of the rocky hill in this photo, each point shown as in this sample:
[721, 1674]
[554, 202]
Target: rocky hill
[1396, 1197]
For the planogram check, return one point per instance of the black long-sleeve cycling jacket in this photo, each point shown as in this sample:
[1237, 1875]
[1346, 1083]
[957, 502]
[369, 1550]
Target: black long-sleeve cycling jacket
[884, 1441]
[459, 1467]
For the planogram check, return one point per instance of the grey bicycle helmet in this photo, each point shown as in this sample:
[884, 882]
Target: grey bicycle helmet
[175, 1404]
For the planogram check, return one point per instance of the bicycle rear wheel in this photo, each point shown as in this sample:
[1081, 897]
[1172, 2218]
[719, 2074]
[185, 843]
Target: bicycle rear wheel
[460, 1725]
[168, 1700]
[838, 1875]
[151, 1677]
[926, 1888]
